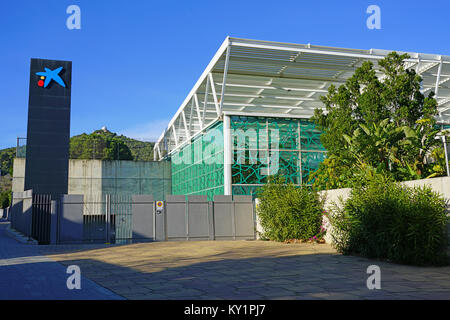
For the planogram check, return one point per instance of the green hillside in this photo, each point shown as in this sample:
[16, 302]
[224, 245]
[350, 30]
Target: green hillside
[106, 145]
[6, 160]
[100, 145]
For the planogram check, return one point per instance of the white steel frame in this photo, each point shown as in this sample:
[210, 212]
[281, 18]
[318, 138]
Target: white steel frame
[272, 79]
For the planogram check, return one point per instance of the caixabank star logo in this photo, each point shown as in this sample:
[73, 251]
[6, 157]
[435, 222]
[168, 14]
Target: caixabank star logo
[45, 77]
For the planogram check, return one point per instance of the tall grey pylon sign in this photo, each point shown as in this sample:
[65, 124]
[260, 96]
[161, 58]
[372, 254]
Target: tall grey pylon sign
[48, 131]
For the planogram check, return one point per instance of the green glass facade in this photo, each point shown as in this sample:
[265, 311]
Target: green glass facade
[268, 146]
[197, 169]
[260, 147]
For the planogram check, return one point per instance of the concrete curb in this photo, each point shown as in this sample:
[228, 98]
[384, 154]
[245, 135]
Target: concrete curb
[16, 235]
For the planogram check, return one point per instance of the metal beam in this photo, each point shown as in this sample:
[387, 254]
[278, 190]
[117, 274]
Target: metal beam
[237, 104]
[175, 135]
[292, 64]
[197, 107]
[438, 78]
[225, 72]
[213, 89]
[191, 116]
[273, 87]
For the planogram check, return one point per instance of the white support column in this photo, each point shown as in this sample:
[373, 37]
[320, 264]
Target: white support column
[227, 155]
[159, 153]
[155, 149]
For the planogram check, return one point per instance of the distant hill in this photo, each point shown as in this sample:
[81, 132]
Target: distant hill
[106, 145]
[100, 144]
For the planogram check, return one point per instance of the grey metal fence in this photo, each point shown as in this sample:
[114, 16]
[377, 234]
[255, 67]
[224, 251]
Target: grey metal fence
[225, 218]
[41, 218]
[234, 218]
[124, 218]
[30, 214]
[190, 219]
[131, 218]
[107, 218]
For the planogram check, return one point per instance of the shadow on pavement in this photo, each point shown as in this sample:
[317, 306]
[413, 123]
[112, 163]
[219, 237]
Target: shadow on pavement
[311, 276]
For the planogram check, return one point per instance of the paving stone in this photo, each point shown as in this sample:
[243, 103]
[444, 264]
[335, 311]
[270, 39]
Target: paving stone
[25, 274]
[244, 269]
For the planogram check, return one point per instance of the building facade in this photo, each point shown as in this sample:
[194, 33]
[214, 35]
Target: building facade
[247, 117]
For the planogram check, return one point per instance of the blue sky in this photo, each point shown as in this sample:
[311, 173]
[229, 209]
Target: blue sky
[134, 62]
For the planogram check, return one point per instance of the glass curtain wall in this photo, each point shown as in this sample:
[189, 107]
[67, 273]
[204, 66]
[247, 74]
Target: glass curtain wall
[268, 146]
[197, 169]
[260, 147]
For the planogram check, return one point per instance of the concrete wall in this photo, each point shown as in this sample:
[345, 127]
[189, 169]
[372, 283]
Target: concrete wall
[137, 177]
[93, 177]
[333, 197]
[21, 212]
[85, 177]
[18, 182]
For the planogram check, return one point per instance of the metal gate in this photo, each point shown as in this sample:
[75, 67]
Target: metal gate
[41, 217]
[107, 218]
[122, 218]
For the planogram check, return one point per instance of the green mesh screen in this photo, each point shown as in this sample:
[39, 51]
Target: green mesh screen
[261, 147]
[267, 146]
[197, 169]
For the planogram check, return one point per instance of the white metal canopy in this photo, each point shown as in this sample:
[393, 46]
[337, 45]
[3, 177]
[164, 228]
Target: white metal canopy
[262, 78]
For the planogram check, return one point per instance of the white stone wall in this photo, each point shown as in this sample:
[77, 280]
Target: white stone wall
[441, 185]
[338, 196]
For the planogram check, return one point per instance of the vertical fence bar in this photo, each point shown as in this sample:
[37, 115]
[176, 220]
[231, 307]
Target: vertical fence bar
[107, 216]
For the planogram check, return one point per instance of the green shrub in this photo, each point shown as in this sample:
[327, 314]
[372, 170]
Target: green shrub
[289, 212]
[385, 220]
[5, 199]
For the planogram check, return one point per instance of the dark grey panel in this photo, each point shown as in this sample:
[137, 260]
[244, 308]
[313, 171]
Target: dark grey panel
[143, 217]
[48, 131]
[71, 219]
[198, 218]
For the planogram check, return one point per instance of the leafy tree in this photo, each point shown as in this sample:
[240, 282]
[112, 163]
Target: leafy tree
[99, 146]
[385, 122]
[6, 160]
[5, 199]
[117, 150]
[106, 145]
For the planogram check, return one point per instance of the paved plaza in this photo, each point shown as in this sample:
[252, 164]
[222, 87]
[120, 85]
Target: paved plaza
[25, 274]
[245, 270]
[206, 270]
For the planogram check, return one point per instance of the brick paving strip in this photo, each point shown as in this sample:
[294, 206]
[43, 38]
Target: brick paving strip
[245, 270]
